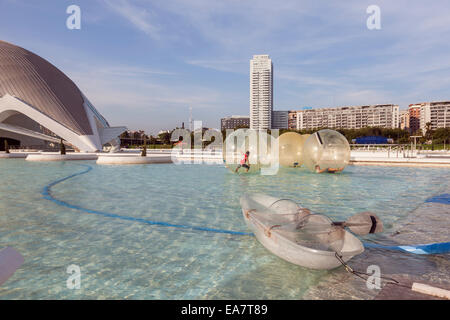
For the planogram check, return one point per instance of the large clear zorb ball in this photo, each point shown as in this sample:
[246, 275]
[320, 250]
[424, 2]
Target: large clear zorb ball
[290, 146]
[241, 141]
[326, 151]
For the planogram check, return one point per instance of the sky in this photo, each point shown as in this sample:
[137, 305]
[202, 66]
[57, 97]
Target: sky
[143, 63]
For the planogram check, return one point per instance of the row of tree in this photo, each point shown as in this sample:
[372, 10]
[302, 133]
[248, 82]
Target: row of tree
[163, 138]
[399, 136]
[137, 138]
[438, 136]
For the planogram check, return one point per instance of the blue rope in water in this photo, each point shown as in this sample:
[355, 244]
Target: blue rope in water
[433, 248]
[48, 195]
[442, 198]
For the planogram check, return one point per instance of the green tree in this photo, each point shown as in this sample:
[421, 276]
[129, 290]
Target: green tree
[441, 135]
[164, 137]
[125, 135]
[428, 132]
[241, 126]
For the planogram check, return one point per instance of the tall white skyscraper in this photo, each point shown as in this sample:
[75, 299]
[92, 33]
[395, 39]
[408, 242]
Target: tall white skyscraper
[261, 92]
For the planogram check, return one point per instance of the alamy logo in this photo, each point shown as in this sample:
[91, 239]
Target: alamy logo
[260, 148]
[74, 280]
[74, 20]
[374, 20]
[374, 280]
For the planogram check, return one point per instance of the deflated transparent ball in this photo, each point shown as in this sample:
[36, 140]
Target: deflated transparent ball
[243, 140]
[326, 151]
[290, 146]
[285, 207]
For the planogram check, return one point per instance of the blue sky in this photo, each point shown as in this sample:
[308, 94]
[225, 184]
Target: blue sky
[142, 63]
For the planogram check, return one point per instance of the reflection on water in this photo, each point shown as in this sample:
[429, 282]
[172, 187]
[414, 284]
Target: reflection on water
[124, 259]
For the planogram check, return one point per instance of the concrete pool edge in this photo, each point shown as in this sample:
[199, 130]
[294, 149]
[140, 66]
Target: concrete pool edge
[409, 230]
[388, 163]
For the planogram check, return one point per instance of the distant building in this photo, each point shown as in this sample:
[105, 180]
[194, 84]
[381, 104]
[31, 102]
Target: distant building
[261, 92]
[414, 117]
[352, 117]
[292, 119]
[234, 121]
[436, 113]
[404, 120]
[280, 119]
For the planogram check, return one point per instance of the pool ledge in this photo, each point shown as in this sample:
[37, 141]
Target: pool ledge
[61, 157]
[401, 162]
[134, 159]
[14, 155]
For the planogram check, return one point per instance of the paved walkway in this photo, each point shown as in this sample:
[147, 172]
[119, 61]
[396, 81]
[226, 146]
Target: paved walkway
[382, 158]
[428, 223]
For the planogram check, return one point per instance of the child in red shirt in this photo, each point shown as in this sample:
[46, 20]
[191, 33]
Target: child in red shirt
[244, 163]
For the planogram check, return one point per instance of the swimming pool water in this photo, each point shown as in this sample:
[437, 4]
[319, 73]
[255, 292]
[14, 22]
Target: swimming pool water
[128, 259]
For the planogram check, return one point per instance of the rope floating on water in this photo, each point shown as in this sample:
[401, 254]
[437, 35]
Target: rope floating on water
[47, 194]
[432, 248]
[442, 198]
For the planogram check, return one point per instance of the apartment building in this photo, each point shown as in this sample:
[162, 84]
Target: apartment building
[436, 113]
[292, 119]
[404, 120]
[234, 121]
[414, 117]
[351, 117]
[261, 92]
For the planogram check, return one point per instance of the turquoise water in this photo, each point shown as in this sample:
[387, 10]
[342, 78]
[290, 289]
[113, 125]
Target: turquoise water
[129, 259]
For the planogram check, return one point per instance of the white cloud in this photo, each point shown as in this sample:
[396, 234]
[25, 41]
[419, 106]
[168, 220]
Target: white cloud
[138, 16]
[124, 95]
[235, 66]
[323, 54]
[131, 71]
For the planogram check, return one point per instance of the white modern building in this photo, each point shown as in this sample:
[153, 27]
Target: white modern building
[435, 113]
[351, 117]
[280, 119]
[39, 103]
[261, 92]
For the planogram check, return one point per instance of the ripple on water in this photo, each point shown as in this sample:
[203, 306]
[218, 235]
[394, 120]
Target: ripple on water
[125, 259]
